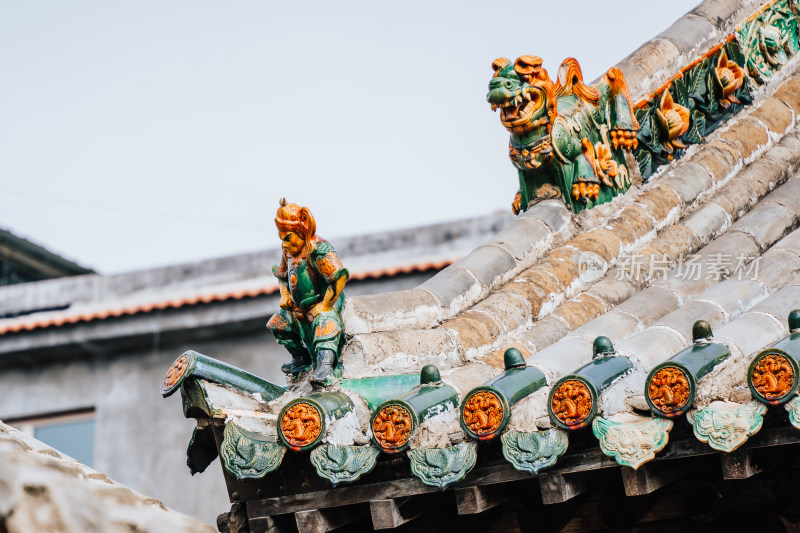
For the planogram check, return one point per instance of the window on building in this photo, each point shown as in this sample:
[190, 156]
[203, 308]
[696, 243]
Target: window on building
[70, 433]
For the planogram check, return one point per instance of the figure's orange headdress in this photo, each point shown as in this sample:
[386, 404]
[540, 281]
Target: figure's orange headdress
[292, 217]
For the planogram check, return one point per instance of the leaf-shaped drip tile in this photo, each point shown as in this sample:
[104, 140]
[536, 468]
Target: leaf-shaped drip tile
[342, 464]
[726, 426]
[441, 467]
[202, 449]
[533, 452]
[247, 455]
[632, 442]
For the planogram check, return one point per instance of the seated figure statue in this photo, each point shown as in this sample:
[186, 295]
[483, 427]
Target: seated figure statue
[311, 277]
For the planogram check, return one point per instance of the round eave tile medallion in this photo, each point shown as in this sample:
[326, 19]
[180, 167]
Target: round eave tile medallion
[301, 425]
[483, 413]
[571, 402]
[392, 427]
[669, 390]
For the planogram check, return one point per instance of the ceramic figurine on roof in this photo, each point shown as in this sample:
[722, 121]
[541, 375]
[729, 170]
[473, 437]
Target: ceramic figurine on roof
[311, 276]
[567, 138]
[770, 39]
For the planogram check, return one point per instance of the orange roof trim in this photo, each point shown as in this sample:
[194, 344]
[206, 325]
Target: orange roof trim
[204, 299]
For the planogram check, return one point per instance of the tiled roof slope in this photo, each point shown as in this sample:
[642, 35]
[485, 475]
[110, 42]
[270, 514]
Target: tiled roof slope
[648, 325]
[43, 490]
[547, 225]
[672, 215]
[34, 262]
[735, 195]
[503, 288]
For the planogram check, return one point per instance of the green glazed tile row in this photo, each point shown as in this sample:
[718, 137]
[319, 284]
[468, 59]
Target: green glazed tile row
[715, 87]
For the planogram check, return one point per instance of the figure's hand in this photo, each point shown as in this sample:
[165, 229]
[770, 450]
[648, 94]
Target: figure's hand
[286, 302]
[317, 309]
[516, 205]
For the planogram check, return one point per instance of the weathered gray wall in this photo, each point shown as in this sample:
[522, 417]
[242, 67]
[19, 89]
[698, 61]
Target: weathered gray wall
[140, 438]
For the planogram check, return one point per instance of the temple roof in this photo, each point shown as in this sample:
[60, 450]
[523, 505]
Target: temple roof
[637, 335]
[23, 261]
[600, 331]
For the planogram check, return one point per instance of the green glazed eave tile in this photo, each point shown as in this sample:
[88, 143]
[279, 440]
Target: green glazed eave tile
[378, 389]
[724, 427]
[533, 452]
[195, 399]
[342, 464]
[632, 443]
[246, 456]
[441, 467]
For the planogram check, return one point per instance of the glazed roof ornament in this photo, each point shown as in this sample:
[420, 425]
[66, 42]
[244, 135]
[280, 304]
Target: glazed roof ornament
[567, 138]
[486, 409]
[671, 386]
[395, 422]
[691, 106]
[772, 374]
[770, 40]
[673, 122]
[728, 78]
[794, 320]
[573, 400]
[312, 278]
[381, 425]
[302, 423]
[701, 332]
[602, 346]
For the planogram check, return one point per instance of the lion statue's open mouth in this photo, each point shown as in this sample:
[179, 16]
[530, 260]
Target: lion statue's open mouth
[520, 110]
[518, 102]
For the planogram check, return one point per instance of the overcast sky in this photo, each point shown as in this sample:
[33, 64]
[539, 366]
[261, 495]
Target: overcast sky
[144, 133]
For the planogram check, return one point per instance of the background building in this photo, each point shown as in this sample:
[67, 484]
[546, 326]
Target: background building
[22, 261]
[82, 358]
